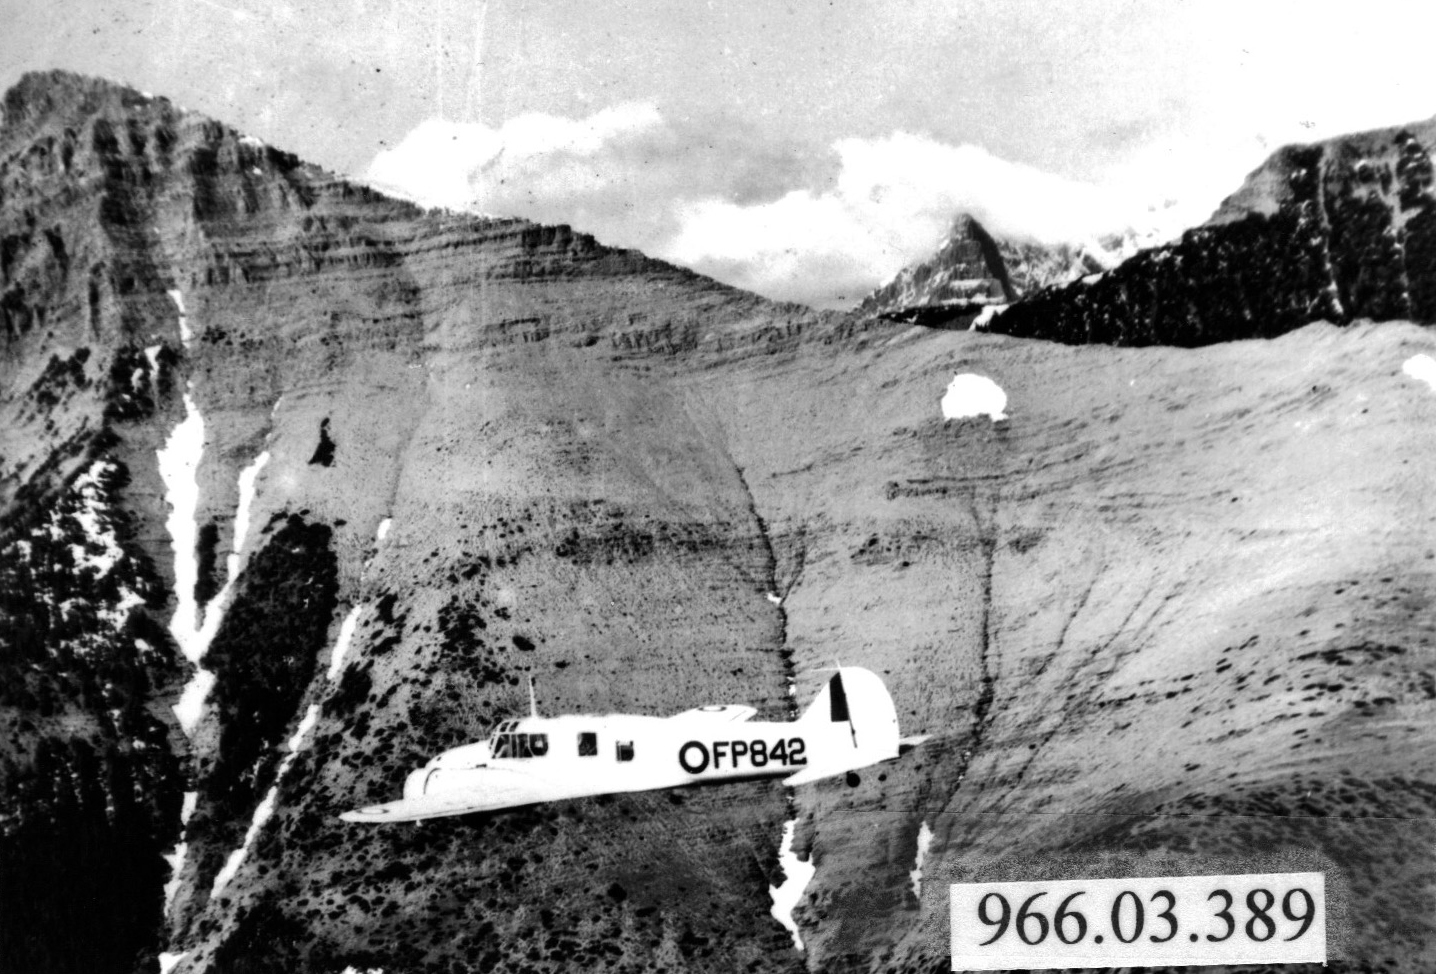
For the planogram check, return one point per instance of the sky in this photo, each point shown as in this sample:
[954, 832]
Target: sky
[804, 150]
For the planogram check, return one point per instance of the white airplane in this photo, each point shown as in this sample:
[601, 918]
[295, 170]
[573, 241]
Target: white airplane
[851, 724]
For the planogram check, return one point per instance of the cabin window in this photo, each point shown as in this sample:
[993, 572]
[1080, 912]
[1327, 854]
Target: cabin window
[538, 744]
[625, 750]
[587, 744]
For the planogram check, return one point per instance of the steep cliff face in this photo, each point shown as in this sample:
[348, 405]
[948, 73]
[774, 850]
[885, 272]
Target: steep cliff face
[974, 269]
[310, 360]
[382, 465]
[1338, 230]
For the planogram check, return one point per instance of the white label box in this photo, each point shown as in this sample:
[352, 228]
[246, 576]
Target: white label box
[1270, 918]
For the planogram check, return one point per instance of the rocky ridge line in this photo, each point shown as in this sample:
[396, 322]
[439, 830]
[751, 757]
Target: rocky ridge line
[1338, 231]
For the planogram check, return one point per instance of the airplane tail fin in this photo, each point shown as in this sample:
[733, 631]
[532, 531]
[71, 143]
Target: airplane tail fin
[856, 701]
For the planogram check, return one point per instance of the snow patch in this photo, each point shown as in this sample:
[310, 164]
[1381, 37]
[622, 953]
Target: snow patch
[924, 842]
[247, 477]
[101, 552]
[176, 860]
[250, 140]
[177, 856]
[799, 873]
[190, 707]
[985, 316]
[341, 645]
[179, 463]
[300, 732]
[266, 808]
[1422, 368]
[194, 626]
[185, 334]
[775, 598]
[973, 395]
[383, 531]
[168, 961]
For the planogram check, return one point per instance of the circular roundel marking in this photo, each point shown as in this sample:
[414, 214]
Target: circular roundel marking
[700, 765]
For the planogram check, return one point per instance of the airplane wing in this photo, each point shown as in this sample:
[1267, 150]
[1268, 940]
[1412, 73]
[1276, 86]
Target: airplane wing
[417, 809]
[730, 713]
[491, 789]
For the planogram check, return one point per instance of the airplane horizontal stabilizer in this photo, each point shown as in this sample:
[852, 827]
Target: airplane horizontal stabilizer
[812, 773]
[817, 772]
[908, 743]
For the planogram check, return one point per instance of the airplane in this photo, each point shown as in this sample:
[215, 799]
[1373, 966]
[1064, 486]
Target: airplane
[850, 725]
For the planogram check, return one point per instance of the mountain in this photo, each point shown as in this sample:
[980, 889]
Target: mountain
[1337, 230]
[972, 269]
[335, 475]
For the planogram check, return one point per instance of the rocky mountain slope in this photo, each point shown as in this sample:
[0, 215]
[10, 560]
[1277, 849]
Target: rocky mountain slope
[1338, 230]
[369, 468]
[973, 269]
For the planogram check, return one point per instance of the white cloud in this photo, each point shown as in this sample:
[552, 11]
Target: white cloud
[893, 200]
[751, 214]
[462, 165]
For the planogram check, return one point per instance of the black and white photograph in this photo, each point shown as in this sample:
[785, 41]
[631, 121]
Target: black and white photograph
[750, 486]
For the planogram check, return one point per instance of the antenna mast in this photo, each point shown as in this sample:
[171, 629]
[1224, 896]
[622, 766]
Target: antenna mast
[533, 703]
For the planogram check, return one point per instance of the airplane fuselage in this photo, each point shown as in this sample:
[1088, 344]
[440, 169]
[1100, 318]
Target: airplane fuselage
[538, 759]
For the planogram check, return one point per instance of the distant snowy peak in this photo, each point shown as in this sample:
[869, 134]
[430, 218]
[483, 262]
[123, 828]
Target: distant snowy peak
[973, 269]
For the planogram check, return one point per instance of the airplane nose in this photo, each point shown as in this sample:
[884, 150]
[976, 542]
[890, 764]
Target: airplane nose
[414, 784]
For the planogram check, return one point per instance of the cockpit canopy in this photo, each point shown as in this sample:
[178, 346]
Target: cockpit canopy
[509, 742]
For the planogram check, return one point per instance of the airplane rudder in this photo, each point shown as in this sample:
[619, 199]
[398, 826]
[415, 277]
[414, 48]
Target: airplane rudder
[852, 694]
[871, 707]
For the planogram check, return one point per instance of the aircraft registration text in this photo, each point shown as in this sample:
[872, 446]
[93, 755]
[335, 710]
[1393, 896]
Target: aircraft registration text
[697, 757]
